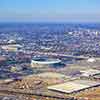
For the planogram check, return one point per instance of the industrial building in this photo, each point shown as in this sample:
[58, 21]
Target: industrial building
[90, 72]
[74, 86]
[11, 47]
[53, 75]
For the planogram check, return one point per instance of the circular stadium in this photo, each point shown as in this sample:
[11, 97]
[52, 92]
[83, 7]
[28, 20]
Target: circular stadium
[44, 62]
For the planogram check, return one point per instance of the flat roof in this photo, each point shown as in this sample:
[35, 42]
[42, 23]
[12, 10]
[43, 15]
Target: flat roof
[97, 76]
[74, 86]
[90, 72]
[52, 75]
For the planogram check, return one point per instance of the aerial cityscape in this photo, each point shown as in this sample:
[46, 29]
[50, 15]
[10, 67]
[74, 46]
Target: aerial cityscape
[49, 53]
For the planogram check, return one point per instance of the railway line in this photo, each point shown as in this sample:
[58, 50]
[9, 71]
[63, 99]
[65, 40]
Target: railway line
[33, 92]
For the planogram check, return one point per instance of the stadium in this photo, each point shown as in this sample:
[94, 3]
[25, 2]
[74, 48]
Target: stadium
[44, 62]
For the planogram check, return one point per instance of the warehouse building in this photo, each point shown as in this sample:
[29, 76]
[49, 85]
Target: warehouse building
[74, 86]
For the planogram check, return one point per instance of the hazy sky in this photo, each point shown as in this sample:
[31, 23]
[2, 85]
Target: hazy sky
[50, 10]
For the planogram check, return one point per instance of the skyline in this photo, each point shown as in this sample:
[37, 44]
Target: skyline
[49, 11]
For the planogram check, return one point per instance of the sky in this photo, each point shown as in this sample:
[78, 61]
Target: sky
[49, 10]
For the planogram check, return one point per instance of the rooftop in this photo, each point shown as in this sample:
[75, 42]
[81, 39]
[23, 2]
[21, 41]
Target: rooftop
[74, 86]
[90, 72]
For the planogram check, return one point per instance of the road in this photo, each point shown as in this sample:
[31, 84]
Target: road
[60, 55]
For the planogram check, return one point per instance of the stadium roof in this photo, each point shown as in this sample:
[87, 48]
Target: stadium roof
[45, 61]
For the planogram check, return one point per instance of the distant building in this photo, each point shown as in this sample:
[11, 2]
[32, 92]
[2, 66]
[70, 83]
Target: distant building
[97, 77]
[11, 41]
[89, 72]
[53, 75]
[11, 47]
[2, 59]
[91, 60]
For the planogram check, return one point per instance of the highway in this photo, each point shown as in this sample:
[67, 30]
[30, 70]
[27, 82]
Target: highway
[59, 55]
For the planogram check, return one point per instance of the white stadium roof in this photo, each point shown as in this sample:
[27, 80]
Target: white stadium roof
[47, 61]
